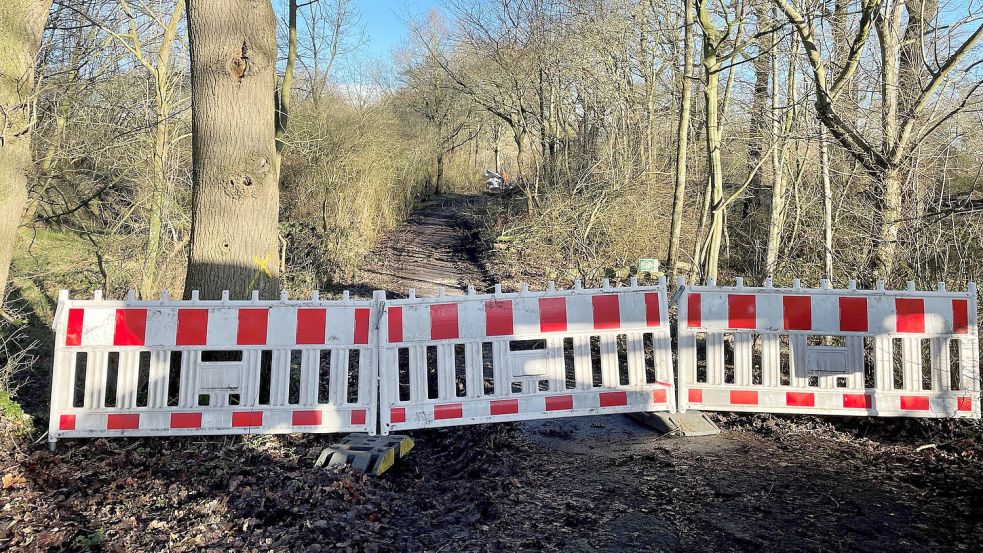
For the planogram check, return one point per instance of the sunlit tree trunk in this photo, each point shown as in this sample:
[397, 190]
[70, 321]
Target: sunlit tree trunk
[21, 25]
[710, 255]
[234, 196]
[682, 140]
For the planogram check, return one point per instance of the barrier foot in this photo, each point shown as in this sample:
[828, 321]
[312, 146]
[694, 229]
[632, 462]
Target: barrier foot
[688, 424]
[372, 455]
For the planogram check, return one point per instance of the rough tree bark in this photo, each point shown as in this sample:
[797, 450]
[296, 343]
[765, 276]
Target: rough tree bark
[234, 183]
[21, 25]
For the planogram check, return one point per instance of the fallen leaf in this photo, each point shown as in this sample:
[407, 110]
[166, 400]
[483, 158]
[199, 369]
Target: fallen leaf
[13, 481]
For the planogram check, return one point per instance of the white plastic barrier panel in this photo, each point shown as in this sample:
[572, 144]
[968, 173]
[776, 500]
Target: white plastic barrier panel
[472, 359]
[829, 351]
[166, 367]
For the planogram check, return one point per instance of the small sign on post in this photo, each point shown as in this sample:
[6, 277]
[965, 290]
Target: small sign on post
[648, 265]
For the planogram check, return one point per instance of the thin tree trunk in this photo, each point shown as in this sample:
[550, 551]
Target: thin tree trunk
[888, 198]
[162, 112]
[21, 25]
[776, 225]
[286, 87]
[827, 203]
[682, 141]
[710, 255]
[235, 199]
[438, 179]
[759, 127]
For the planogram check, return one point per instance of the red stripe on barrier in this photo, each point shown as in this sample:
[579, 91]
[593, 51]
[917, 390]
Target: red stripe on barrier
[659, 396]
[853, 314]
[800, 399]
[960, 316]
[66, 422]
[856, 401]
[306, 418]
[911, 314]
[252, 327]
[185, 420]
[504, 407]
[914, 403]
[358, 417]
[397, 414]
[652, 315]
[613, 399]
[311, 324]
[361, 325]
[241, 419]
[73, 335]
[552, 314]
[743, 397]
[443, 321]
[695, 395]
[131, 327]
[741, 311]
[395, 324]
[123, 422]
[694, 311]
[448, 411]
[192, 327]
[498, 318]
[559, 403]
[607, 314]
[797, 312]
[964, 404]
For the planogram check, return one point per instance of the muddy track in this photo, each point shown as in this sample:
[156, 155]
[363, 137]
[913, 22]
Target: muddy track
[436, 248]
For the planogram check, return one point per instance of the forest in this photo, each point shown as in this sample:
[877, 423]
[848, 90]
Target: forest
[241, 145]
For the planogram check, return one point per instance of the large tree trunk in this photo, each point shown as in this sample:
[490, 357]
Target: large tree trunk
[21, 25]
[234, 184]
[682, 141]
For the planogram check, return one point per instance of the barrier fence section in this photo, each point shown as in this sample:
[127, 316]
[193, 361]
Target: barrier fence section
[472, 359]
[150, 368]
[829, 351]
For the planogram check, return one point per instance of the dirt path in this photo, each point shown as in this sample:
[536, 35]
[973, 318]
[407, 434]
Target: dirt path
[434, 249]
[572, 485]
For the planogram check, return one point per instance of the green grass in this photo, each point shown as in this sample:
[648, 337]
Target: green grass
[20, 423]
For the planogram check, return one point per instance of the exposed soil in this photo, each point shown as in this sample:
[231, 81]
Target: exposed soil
[436, 248]
[587, 484]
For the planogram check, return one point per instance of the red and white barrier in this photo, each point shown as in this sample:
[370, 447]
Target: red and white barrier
[148, 368]
[527, 355]
[829, 351]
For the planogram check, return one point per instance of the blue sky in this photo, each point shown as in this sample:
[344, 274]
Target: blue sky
[384, 22]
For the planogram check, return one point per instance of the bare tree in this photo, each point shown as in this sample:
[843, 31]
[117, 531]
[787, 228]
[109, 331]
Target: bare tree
[900, 130]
